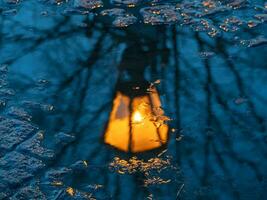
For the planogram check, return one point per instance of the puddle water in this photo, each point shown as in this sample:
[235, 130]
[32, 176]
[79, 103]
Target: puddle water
[133, 99]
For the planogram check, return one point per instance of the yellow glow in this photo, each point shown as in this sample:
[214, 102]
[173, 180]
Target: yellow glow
[139, 131]
[137, 117]
[70, 191]
[117, 133]
[57, 183]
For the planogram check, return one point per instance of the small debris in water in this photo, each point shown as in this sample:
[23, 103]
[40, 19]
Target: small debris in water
[162, 14]
[57, 183]
[128, 3]
[206, 54]
[124, 21]
[179, 138]
[163, 152]
[113, 12]
[88, 4]
[133, 165]
[252, 23]
[70, 191]
[85, 163]
[155, 180]
[255, 42]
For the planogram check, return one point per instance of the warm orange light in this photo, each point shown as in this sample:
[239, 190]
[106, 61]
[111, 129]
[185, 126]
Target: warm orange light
[137, 117]
[136, 124]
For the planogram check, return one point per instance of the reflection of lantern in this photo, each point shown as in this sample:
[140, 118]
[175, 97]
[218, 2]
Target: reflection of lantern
[136, 121]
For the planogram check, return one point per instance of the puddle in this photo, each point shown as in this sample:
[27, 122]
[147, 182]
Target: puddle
[133, 99]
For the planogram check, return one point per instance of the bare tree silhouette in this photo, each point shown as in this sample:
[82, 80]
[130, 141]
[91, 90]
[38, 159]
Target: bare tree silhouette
[218, 136]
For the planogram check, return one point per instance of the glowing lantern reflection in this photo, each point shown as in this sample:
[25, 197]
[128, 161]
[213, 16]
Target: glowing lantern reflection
[136, 122]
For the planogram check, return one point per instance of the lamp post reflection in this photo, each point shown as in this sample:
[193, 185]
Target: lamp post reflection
[137, 121]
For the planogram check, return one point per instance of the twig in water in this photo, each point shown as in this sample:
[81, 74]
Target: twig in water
[179, 191]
